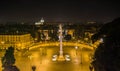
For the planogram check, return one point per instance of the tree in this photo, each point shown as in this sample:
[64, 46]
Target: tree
[107, 29]
[68, 37]
[8, 60]
[107, 55]
[33, 68]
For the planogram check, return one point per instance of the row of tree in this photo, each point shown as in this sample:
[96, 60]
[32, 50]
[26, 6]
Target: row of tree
[107, 55]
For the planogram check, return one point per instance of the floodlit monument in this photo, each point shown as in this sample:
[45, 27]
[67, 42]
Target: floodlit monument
[60, 57]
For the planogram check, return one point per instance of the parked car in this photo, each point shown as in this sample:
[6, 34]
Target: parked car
[54, 57]
[67, 58]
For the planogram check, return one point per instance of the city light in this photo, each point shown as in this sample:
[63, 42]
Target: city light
[43, 53]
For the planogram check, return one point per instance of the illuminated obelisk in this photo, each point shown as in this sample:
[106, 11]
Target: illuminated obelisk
[61, 57]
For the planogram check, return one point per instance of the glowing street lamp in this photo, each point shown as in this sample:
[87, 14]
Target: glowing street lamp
[76, 49]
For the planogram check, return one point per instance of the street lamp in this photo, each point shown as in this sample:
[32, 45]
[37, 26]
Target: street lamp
[81, 55]
[76, 50]
[41, 52]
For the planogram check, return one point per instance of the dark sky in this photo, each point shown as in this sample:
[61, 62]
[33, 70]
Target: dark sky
[58, 10]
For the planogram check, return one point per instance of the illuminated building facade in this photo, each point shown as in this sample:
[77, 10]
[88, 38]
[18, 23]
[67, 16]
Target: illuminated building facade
[18, 41]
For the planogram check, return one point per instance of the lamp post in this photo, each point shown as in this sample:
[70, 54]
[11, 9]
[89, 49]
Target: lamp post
[41, 52]
[76, 50]
[81, 55]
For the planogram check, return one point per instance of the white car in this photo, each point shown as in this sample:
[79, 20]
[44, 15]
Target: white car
[54, 57]
[67, 58]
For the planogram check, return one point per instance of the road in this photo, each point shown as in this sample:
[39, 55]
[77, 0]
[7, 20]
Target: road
[42, 58]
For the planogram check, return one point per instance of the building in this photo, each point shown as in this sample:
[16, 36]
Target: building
[18, 41]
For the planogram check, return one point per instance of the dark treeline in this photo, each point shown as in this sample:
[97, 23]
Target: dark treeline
[107, 55]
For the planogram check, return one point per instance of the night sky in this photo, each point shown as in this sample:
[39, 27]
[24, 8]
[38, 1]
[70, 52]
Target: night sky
[58, 10]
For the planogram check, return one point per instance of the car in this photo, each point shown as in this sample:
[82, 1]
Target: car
[54, 57]
[67, 58]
